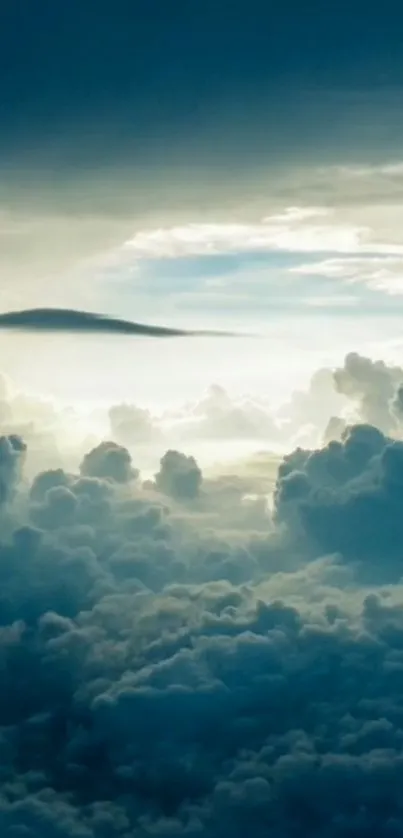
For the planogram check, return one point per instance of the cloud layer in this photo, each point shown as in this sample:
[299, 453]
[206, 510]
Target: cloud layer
[192, 655]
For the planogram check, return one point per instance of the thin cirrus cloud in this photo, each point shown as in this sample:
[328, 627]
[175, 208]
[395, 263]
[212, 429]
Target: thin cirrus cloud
[378, 273]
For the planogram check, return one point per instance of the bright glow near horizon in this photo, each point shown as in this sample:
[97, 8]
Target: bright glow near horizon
[268, 291]
[311, 282]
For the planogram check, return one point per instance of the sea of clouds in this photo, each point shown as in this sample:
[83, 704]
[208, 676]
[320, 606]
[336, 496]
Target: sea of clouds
[197, 651]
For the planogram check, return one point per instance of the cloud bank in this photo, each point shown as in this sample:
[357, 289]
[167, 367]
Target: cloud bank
[193, 655]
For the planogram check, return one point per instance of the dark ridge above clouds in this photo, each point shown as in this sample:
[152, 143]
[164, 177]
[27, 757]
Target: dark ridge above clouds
[71, 320]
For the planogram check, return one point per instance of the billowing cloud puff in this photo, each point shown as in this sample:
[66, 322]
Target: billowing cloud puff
[110, 461]
[374, 386]
[131, 425]
[314, 406]
[218, 416]
[12, 450]
[47, 480]
[335, 429]
[347, 498]
[396, 405]
[179, 475]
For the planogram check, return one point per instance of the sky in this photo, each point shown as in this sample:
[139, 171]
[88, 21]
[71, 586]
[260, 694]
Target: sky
[222, 164]
[201, 581]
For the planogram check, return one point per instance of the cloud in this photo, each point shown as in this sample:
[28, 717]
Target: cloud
[179, 475]
[58, 246]
[374, 388]
[379, 273]
[69, 320]
[176, 659]
[222, 418]
[191, 262]
[131, 704]
[109, 461]
[219, 426]
[131, 425]
[299, 229]
[345, 499]
[304, 418]
[217, 419]
[55, 436]
[218, 415]
[12, 450]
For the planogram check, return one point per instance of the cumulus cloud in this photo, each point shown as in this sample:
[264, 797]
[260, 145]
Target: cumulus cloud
[109, 461]
[132, 425]
[138, 702]
[346, 499]
[304, 419]
[55, 436]
[179, 475]
[374, 387]
[188, 656]
[12, 450]
[218, 415]
[221, 417]
[361, 390]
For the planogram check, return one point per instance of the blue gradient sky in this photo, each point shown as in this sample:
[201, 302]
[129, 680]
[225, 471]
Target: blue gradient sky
[144, 76]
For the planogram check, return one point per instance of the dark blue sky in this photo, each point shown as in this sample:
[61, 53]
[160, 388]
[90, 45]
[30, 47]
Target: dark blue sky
[128, 78]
